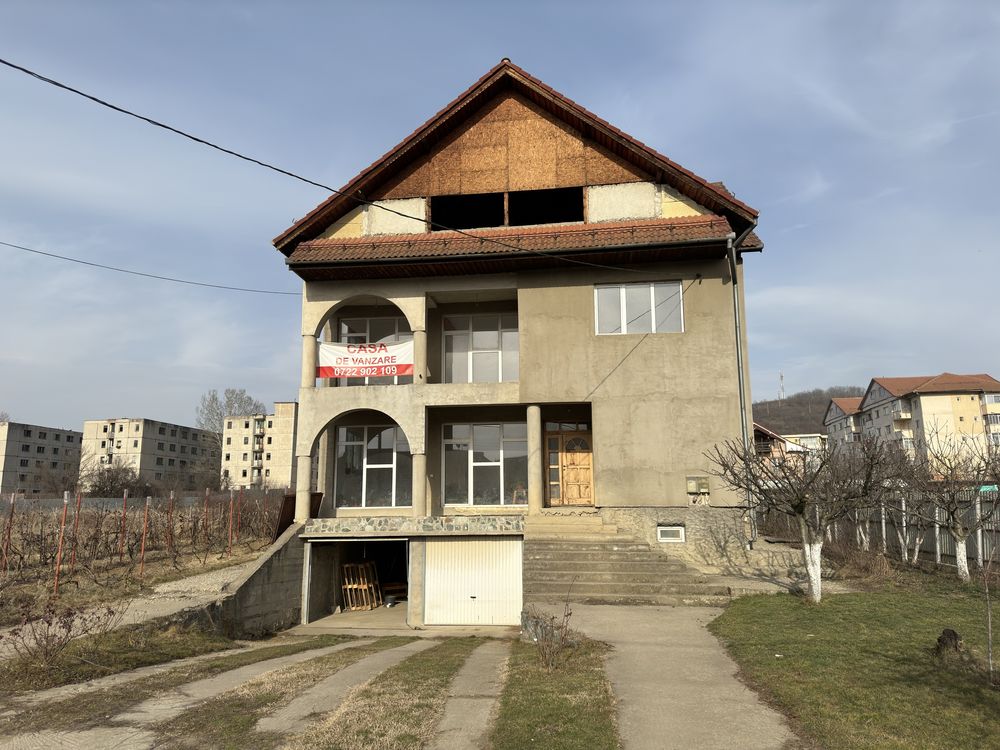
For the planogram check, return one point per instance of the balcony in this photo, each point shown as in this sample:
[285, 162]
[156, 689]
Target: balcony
[258, 430]
[901, 411]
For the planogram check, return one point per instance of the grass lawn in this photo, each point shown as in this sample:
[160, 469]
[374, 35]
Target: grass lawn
[91, 708]
[399, 709]
[858, 669]
[570, 708]
[228, 721]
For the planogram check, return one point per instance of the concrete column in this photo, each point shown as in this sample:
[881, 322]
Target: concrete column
[306, 581]
[417, 551]
[303, 487]
[309, 349]
[419, 488]
[536, 488]
[419, 357]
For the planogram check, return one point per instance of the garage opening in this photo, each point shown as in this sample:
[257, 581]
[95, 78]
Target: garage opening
[473, 581]
[372, 574]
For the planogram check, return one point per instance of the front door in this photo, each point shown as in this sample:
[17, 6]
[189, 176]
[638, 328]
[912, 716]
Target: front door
[570, 469]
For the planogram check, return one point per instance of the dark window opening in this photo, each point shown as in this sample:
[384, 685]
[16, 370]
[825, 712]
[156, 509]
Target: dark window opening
[467, 211]
[557, 206]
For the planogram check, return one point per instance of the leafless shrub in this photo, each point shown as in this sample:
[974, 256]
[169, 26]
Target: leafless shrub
[551, 634]
[44, 634]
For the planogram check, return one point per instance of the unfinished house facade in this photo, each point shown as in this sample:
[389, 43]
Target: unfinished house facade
[528, 331]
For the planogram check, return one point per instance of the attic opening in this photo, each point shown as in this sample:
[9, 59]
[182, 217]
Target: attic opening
[516, 208]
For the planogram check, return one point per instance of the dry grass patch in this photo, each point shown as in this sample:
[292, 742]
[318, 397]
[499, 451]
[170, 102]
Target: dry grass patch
[93, 708]
[399, 709]
[228, 721]
[562, 709]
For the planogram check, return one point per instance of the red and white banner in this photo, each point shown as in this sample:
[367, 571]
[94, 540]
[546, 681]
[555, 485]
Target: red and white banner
[365, 360]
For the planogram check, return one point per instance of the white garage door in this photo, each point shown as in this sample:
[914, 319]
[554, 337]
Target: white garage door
[473, 581]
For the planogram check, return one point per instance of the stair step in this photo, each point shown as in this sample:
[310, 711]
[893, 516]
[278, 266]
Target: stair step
[652, 601]
[590, 576]
[584, 555]
[630, 589]
[663, 567]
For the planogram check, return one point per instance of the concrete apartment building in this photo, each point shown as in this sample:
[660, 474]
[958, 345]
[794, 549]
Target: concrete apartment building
[38, 461]
[167, 456]
[914, 410]
[553, 373]
[258, 449]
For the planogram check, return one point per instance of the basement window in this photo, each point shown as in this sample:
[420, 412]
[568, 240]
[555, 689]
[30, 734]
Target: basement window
[557, 206]
[467, 211]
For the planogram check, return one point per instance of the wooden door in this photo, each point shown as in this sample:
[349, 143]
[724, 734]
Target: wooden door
[570, 469]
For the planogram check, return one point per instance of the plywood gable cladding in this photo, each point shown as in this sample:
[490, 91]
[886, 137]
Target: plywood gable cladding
[511, 144]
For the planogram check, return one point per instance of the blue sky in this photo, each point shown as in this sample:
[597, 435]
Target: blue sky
[865, 133]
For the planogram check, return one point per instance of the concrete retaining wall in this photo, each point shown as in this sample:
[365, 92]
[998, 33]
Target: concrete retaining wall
[269, 597]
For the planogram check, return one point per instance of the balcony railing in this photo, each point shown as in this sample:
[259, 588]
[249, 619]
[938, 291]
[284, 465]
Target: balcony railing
[901, 411]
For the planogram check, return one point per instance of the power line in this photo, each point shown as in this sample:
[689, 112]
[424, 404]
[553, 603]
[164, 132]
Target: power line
[146, 275]
[293, 175]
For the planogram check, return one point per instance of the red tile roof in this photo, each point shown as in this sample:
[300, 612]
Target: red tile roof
[713, 195]
[946, 382]
[513, 240]
[848, 405]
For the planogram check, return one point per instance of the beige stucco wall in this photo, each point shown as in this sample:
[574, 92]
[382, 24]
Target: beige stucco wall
[46, 446]
[658, 403]
[276, 448]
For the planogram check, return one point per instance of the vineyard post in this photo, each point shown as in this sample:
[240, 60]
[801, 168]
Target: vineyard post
[265, 526]
[6, 534]
[76, 530]
[142, 547]
[239, 515]
[62, 534]
[170, 523]
[121, 536]
[205, 519]
[229, 547]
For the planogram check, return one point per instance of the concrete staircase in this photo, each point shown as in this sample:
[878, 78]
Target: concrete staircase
[576, 556]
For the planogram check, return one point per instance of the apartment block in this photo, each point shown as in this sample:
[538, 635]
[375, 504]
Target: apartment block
[258, 449]
[914, 410]
[167, 456]
[38, 461]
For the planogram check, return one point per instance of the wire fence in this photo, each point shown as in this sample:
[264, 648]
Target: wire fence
[898, 532]
[45, 538]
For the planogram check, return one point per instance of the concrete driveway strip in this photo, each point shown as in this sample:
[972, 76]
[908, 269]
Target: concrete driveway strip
[471, 698]
[171, 704]
[107, 738]
[676, 685]
[327, 695]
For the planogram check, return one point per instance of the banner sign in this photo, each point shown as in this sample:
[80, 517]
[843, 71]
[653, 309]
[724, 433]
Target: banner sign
[365, 360]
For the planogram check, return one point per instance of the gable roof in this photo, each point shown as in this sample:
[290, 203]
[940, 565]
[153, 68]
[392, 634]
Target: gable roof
[840, 407]
[504, 77]
[946, 382]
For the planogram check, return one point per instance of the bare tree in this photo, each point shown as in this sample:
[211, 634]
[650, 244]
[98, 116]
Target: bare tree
[212, 410]
[110, 480]
[948, 474]
[4, 416]
[815, 489]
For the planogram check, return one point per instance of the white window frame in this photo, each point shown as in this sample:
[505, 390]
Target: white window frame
[399, 336]
[365, 465]
[623, 321]
[471, 463]
[501, 329]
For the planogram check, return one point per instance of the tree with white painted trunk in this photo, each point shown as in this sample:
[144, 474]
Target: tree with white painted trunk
[945, 482]
[815, 489]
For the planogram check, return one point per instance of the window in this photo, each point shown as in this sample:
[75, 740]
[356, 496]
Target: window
[524, 207]
[467, 211]
[485, 464]
[245, 456]
[24, 462]
[227, 457]
[69, 438]
[246, 441]
[267, 457]
[269, 424]
[375, 331]
[267, 472]
[136, 428]
[158, 475]
[57, 437]
[27, 432]
[655, 307]
[373, 467]
[160, 446]
[246, 425]
[121, 428]
[229, 425]
[40, 449]
[268, 440]
[173, 433]
[244, 473]
[162, 431]
[159, 460]
[554, 206]
[42, 435]
[184, 449]
[105, 428]
[118, 444]
[481, 348]
[229, 441]
[25, 448]
[170, 462]
[55, 451]
[173, 447]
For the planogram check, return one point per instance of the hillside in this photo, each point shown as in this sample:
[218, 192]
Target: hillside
[800, 412]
